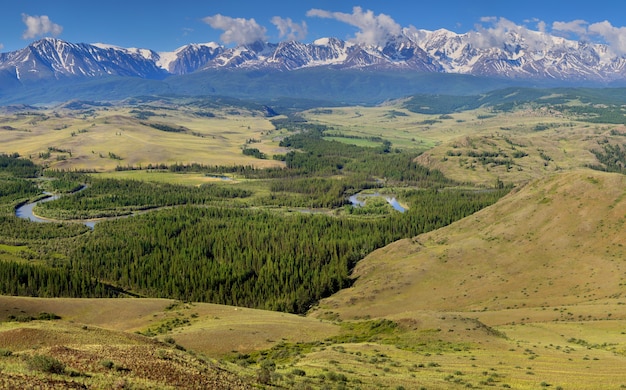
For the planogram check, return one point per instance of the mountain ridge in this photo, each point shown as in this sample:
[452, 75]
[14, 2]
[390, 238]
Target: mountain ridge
[532, 57]
[541, 60]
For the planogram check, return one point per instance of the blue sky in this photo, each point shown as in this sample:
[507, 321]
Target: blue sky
[167, 25]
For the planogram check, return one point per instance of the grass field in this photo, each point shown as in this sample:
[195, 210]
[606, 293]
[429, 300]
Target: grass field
[104, 138]
[525, 294]
[190, 179]
[535, 141]
[528, 293]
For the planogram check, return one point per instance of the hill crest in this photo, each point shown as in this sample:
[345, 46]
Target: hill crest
[556, 241]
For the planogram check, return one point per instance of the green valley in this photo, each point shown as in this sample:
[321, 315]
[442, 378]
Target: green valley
[225, 244]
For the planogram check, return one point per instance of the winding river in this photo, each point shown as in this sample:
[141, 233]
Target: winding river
[25, 211]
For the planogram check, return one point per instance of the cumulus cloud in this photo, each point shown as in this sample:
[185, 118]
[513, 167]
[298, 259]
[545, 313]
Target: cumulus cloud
[541, 25]
[496, 32]
[289, 29]
[576, 27]
[237, 30]
[499, 31]
[614, 37]
[37, 26]
[373, 29]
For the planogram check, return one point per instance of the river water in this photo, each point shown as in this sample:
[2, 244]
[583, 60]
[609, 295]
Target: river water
[25, 211]
[357, 202]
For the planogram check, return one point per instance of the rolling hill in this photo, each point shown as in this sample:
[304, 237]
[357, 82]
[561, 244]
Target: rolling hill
[556, 241]
[526, 293]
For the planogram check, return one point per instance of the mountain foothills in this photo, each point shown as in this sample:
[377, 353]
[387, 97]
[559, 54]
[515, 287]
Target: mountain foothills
[212, 242]
[535, 59]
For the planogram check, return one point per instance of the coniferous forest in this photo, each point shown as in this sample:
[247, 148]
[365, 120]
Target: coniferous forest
[225, 243]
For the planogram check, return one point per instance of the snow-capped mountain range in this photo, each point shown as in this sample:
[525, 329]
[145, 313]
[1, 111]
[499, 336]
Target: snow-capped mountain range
[518, 57]
[417, 61]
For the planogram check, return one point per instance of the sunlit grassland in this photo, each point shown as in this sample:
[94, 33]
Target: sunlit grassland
[434, 350]
[367, 122]
[537, 141]
[354, 141]
[17, 253]
[157, 176]
[107, 138]
[524, 294]
[13, 249]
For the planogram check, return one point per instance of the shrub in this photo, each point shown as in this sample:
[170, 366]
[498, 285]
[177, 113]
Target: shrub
[264, 376]
[107, 364]
[27, 318]
[48, 316]
[5, 352]
[46, 364]
[298, 372]
[20, 318]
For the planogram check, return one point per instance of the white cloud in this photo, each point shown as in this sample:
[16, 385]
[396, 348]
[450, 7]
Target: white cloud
[615, 37]
[501, 31]
[373, 29]
[541, 25]
[577, 27]
[289, 29]
[1, 46]
[237, 30]
[39, 26]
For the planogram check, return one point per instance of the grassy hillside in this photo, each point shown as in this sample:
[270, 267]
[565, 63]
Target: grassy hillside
[542, 270]
[556, 241]
[101, 137]
[527, 293]
[483, 145]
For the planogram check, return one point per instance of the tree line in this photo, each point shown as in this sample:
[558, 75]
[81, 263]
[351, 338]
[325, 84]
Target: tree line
[209, 247]
[255, 258]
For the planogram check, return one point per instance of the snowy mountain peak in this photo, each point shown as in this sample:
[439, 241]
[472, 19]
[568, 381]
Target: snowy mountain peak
[517, 54]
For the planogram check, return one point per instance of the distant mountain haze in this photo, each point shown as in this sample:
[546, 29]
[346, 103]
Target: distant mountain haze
[518, 58]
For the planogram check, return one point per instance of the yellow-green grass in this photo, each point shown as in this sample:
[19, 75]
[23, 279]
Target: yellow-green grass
[88, 357]
[14, 249]
[517, 365]
[218, 141]
[556, 241]
[564, 144]
[413, 130]
[16, 253]
[354, 141]
[156, 176]
[208, 328]
[223, 330]
[403, 131]
[97, 141]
